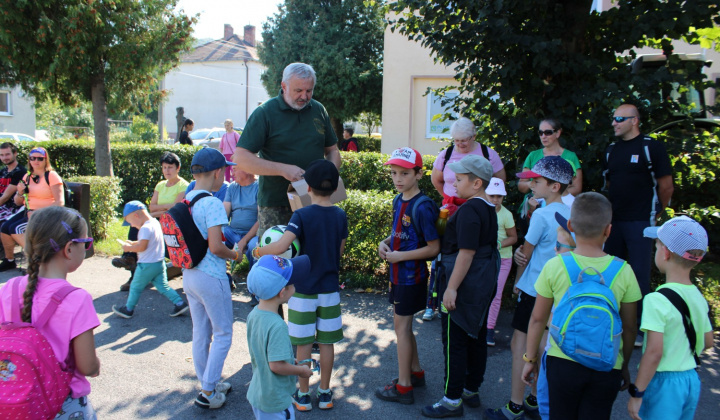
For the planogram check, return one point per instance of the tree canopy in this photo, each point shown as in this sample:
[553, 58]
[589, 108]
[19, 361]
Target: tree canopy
[519, 61]
[342, 40]
[112, 52]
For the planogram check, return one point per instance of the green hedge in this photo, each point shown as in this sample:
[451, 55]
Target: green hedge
[104, 200]
[369, 144]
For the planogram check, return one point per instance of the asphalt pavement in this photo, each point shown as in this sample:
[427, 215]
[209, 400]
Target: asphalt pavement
[147, 370]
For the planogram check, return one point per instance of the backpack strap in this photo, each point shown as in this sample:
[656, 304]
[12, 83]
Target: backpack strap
[655, 200]
[49, 310]
[448, 153]
[198, 198]
[485, 153]
[571, 267]
[607, 166]
[679, 303]
[608, 275]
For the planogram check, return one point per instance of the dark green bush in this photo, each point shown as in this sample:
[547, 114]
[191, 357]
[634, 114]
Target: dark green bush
[104, 200]
[369, 144]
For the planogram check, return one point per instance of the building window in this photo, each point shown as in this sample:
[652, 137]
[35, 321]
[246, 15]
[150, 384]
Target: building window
[434, 127]
[5, 103]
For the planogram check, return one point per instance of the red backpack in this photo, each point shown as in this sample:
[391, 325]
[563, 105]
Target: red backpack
[33, 384]
[185, 244]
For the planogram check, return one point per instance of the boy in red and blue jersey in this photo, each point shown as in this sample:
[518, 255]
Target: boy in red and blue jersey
[413, 241]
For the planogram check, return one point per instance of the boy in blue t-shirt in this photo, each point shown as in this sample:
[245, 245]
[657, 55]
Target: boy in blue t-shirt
[409, 245]
[206, 285]
[550, 176]
[667, 384]
[273, 280]
[314, 309]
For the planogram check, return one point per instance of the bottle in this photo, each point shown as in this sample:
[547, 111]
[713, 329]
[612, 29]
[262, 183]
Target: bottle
[442, 221]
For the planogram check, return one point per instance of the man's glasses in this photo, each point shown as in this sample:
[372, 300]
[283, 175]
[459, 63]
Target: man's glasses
[546, 132]
[621, 119]
[87, 241]
[37, 158]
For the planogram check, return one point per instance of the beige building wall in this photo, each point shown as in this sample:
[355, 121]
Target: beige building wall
[407, 73]
[18, 113]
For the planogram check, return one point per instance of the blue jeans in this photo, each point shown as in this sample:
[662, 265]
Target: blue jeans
[157, 274]
[212, 316]
[232, 237]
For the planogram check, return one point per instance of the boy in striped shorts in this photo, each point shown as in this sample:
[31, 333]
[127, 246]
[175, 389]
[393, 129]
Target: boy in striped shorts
[314, 309]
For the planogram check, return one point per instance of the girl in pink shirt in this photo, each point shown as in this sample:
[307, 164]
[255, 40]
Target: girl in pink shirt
[56, 243]
[227, 147]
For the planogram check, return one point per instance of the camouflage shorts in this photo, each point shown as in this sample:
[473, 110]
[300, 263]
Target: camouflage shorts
[271, 216]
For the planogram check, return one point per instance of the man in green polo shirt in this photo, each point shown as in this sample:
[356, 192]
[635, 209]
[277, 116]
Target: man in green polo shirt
[287, 132]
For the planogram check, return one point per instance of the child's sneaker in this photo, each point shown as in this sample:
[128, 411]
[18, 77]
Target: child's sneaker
[442, 409]
[213, 401]
[303, 403]
[180, 309]
[123, 311]
[325, 399]
[391, 393]
[223, 387]
[504, 413]
[490, 338]
[428, 315]
[471, 399]
[530, 406]
[415, 380]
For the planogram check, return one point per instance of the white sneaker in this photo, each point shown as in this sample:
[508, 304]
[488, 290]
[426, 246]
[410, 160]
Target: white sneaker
[216, 400]
[223, 387]
[428, 315]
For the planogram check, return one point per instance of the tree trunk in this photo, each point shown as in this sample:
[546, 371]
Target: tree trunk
[103, 159]
[338, 127]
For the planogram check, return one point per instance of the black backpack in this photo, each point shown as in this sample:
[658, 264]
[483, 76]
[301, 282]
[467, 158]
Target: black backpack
[185, 244]
[449, 150]
[67, 194]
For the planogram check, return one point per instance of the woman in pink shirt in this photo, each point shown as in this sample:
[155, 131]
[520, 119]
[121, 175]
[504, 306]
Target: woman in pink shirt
[227, 146]
[57, 241]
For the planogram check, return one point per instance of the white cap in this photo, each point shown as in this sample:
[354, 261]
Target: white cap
[680, 235]
[496, 186]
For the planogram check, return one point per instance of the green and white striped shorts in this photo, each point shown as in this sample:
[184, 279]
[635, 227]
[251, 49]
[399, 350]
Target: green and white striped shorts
[315, 318]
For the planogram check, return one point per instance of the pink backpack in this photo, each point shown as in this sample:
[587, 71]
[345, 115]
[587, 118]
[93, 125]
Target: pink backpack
[33, 385]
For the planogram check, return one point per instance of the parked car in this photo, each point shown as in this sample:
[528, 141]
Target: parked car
[209, 137]
[16, 137]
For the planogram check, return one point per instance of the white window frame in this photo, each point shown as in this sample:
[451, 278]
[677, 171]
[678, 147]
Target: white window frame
[436, 128]
[7, 112]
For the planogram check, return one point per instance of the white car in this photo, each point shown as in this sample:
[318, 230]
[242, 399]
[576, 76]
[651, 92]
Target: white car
[209, 137]
[15, 137]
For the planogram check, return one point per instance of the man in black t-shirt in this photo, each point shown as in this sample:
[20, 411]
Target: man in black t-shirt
[10, 176]
[638, 195]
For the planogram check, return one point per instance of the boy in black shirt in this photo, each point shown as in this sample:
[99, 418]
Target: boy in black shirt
[467, 281]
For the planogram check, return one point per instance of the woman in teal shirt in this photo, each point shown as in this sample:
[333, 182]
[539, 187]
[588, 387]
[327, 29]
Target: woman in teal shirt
[549, 131]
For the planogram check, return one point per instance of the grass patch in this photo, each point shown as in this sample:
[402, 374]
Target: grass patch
[109, 246]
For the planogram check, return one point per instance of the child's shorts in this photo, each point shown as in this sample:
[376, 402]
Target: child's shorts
[523, 310]
[671, 395]
[315, 318]
[408, 299]
[287, 414]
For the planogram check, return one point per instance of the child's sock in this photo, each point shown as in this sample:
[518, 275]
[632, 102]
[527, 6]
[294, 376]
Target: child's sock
[302, 394]
[419, 374]
[403, 389]
[515, 408]
[452, 402]
[323, 391]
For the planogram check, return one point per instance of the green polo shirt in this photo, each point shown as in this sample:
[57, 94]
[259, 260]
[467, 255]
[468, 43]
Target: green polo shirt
[279, 133]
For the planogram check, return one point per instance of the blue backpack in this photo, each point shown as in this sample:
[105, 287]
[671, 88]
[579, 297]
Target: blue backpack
[586, 324]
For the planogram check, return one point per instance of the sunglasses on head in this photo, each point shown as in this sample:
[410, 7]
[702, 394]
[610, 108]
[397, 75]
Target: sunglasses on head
[546, 132]
[37, 158]
[621, 119]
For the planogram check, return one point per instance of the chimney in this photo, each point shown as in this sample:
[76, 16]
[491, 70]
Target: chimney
[228, 32]
[250, 35]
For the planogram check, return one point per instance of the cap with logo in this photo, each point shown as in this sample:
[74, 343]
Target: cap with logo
[680, 235]
[496, 186]
[132, 206]
[271, 273]
[208, 159]
[405, 157]
[553, 168]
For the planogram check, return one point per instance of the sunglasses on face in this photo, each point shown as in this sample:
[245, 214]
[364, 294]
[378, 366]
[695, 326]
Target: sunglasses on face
[87, 241]
[36, 158]
[546, 132]
[559, 247]
[621, 119]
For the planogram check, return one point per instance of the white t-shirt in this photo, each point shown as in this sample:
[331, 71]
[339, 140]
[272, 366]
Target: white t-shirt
[155, 250]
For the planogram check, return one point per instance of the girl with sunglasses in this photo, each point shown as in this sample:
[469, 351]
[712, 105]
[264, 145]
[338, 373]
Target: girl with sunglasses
[41, 187]
[57, 240]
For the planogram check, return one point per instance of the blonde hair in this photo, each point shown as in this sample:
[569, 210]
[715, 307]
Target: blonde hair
[48, 231]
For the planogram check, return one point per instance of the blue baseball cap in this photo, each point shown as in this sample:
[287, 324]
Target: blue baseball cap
[209, 159]
[271, 273]
[130, 207]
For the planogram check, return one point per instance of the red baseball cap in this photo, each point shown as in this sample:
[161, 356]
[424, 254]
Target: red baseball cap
[406, 157]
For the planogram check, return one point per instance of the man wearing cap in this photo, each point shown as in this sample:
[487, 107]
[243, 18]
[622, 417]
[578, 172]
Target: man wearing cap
[281, 138]
[272, 279]
[639, 182]
[206, 285]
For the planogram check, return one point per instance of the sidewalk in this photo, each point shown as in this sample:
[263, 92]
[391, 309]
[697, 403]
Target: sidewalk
[147, 369]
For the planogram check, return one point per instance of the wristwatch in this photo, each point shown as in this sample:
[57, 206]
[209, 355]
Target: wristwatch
[634, 392]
